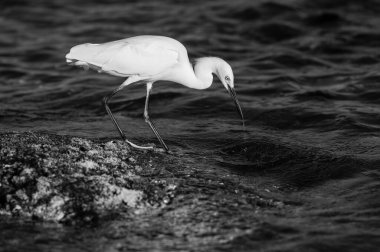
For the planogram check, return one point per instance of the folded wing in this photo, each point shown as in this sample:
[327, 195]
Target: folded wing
[125, 58]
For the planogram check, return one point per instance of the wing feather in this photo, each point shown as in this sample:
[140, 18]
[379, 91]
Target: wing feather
[124, 58]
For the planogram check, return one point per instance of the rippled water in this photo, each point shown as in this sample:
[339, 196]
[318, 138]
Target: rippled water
[306, 73]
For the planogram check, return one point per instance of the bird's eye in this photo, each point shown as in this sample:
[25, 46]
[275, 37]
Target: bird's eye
[227, 78]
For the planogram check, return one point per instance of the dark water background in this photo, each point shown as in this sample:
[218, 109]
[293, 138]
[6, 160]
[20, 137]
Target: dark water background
[306, 73]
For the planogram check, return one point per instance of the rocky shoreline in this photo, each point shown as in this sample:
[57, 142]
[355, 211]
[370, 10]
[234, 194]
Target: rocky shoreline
[69, 180]
[75, 180]
[101, 195]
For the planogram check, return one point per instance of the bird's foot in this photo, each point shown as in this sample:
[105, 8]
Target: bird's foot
[162, 150]
[140, 147]
[151, 147]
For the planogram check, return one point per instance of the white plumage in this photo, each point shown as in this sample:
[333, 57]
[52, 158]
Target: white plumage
[150, 59]
[143, 56]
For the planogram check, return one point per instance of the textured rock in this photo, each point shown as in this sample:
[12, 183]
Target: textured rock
[122, 199]
[70, 179]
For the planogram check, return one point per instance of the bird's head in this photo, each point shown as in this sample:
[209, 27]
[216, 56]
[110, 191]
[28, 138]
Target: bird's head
[226, 76]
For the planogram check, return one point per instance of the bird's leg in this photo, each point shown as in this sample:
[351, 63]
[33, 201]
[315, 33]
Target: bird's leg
[105, 102]
[146, 116]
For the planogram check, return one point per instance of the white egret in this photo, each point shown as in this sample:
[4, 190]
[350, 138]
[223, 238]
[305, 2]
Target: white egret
[149, 59]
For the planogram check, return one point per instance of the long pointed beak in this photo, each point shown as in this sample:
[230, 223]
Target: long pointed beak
[232, 92]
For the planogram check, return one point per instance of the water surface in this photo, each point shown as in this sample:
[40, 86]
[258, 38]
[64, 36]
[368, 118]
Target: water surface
[306, 74]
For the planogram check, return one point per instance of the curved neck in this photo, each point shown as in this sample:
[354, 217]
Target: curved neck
[201, 77]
